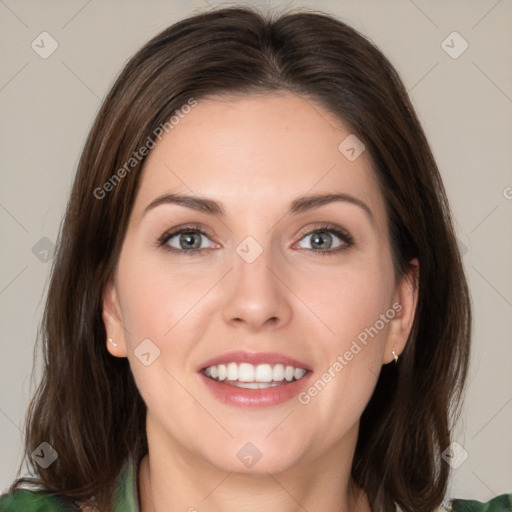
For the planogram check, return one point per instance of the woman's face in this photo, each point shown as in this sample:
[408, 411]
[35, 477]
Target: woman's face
[281, 282]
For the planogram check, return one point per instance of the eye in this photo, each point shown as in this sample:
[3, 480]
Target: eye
[187, 239]
[322, 241]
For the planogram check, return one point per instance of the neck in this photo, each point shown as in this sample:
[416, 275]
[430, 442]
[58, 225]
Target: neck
[172, 479]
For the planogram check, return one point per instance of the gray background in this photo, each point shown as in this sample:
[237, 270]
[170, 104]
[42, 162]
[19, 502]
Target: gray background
[464, 104]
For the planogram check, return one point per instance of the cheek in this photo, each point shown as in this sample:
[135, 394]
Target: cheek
[156, 296]
[162, 304]
[350, 363]
[356, 305]
[154, 304]
[351, 300]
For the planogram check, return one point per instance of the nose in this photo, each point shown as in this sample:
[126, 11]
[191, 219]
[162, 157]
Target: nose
[256, 295]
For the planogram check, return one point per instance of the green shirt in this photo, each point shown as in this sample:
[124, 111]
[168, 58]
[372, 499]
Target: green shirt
[126, 499]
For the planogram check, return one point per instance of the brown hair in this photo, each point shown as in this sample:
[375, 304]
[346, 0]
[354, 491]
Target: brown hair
[87, 405]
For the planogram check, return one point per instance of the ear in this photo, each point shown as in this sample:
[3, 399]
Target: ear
[404, 304]
[112, 318]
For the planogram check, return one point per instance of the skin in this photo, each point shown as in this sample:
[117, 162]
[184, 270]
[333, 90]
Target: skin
[255, 155]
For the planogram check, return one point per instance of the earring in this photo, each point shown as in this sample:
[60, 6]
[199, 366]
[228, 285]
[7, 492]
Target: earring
[110, 341]
[395, 357]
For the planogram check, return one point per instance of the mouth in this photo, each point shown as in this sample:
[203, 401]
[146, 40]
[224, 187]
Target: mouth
[254, 380]
[250, 376]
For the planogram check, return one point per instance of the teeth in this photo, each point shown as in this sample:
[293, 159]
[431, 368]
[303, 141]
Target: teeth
[263, 373]
[245, 372]
[254, 374]
[278, 372]
[298, 374]
[232, 371]
[255, 385]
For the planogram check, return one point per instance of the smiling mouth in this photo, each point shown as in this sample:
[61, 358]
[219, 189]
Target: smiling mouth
[249, 376]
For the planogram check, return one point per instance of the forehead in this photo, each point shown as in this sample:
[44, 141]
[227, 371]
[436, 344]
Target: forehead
[257, 152]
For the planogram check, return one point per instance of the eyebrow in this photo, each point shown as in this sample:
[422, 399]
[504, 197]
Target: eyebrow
[212, 207]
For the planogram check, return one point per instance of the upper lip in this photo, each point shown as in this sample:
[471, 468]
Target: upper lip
[241, 356]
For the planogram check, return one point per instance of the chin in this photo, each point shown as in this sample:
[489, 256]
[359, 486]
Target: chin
[258, 457]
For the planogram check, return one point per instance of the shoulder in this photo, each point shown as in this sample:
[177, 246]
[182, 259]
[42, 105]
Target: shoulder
[502, 503]
[34, 501]
[40, 499]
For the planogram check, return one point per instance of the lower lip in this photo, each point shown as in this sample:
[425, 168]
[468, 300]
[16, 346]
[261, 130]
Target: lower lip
[243, 397]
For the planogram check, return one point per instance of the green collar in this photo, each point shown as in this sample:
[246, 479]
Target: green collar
[126, 495]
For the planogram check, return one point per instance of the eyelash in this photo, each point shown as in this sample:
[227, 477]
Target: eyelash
[343, 235]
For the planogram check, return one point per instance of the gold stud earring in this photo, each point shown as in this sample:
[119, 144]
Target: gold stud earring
[395, 357]
[110, 341]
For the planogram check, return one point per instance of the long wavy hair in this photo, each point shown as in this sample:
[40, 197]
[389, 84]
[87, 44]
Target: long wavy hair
[87, 405]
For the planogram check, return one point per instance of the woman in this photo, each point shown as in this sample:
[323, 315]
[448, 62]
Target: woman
[257, 298]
